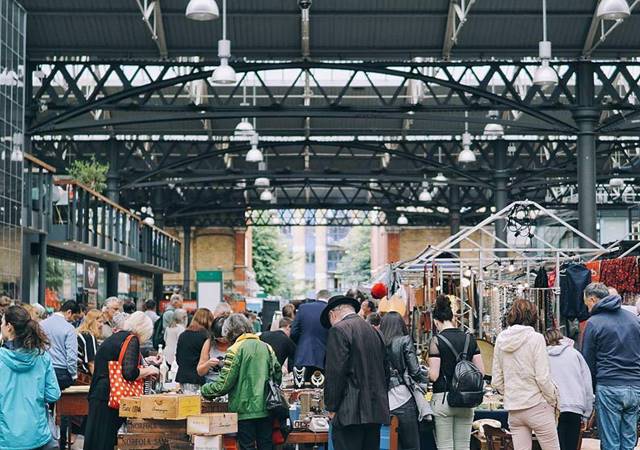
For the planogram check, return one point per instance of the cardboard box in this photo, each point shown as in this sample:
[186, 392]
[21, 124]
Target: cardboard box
[169, 406]
[173, 427]
[207, 443]
[212, 424]
[140, 441]
[130, 407]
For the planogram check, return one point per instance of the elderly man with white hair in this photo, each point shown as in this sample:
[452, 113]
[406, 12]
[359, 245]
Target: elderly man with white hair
[112, 306]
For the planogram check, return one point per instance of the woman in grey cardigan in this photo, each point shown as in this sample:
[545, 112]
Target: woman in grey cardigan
[571, 375]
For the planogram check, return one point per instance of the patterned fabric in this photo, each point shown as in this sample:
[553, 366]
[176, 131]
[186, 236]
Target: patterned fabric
[594, 267]
[119, 386]
[623, 274]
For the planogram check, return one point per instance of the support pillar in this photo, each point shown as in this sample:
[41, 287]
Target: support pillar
[501, 195]
[113, 271]
[586, 116]
[42, 268]
[239, 265]
[113, 194]
[158, 278]
[186, 278]
[27, 257]
[454, 210]
[393, 244]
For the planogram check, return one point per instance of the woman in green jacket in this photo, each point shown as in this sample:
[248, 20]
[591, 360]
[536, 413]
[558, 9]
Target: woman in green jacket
[248, 364]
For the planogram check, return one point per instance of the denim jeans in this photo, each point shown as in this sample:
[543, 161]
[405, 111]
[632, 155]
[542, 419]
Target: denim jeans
[617, 409]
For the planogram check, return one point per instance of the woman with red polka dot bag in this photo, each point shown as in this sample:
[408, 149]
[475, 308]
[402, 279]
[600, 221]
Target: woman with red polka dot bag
[119, 386]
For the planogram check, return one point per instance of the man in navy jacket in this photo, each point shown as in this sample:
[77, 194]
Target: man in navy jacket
[310, 336]
[611, 347]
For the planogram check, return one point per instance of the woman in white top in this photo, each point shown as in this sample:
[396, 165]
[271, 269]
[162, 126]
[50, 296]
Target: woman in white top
[177, 324]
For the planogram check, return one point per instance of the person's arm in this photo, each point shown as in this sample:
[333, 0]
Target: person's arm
[587, 386]
[91, 348]
[51, 388]
[130, 363]
[497, 371]
[291, 354]
[542, 373]
[204, 363]
[478, 362]
[228, 375]
[277, 368]
[296, 328]
[336, 369]
[411, 361]
[589, 344]
[71, 347]
[434, 360]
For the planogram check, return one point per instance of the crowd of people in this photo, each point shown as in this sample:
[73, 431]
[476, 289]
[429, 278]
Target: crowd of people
[550, 384]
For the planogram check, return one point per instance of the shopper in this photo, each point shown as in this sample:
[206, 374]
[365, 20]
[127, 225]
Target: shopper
[189, 348]
[175, 302]
[521, 373]
[161, 325]
[281, 343]
[103, 422]
[289, 310]
[27, 383]
[213, 351]
[112, 306]
[248, 365]
[150, 310]
[64, 343]
[452, 425]
[405, 372]
[89, 333]
[611, 347]
[570, 373]
[310, 336]
[177, 325]
[367, 308]
[222, 309]
[357, 377]
[375, 320]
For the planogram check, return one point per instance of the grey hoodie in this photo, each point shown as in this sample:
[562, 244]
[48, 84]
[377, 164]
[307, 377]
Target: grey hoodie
[571, 374]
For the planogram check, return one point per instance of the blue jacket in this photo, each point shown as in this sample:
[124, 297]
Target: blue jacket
[309, 335]
[611, 344]
[27, 383]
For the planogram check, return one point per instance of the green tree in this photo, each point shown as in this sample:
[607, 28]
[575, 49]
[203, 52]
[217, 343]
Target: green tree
[270, 259]
[55, 274]
[91, 173]
[355, 265]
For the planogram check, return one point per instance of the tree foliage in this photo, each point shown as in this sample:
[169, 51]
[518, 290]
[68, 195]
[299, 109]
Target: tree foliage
[55, 274]
[355, 266]
[91, 173]
[270, 258]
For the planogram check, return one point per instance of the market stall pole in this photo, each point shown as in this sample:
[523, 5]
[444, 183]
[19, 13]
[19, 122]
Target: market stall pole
[73, 402]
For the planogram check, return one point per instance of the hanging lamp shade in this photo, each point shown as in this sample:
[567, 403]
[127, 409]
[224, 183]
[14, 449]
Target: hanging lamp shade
[223, 74]
[466, 155]
[402, 220]
[244, 128]
[266, 196]
[425, 196]
[261, 182]
[545, 76]
[254, 155]
[613, 10]
[440, 178]
[202, 10]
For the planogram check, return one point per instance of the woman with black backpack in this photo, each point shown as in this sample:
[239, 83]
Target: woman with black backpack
[446, 351]
[405, 371]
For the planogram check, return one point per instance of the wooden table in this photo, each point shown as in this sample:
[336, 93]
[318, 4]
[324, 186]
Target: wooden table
[73, 402]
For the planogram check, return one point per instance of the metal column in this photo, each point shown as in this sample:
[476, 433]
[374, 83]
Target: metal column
[158, 278]
[454, 209]
[113, 193]
[42, 268]
[501, 197]
[586, 116]
[186, 243]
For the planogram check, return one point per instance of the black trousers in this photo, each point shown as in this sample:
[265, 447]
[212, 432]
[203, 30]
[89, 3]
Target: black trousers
[569, 430]
[356, 437]
[255, 434]
[64, 381]
[408, 431]
[102, 426]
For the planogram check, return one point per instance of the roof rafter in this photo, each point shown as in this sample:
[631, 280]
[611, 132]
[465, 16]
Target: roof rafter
[590, 43]
[152, 17]
[456, 18]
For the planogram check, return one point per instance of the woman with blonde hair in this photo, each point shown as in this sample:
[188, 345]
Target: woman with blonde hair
[89, 333]
[188, 350]
[103, 422]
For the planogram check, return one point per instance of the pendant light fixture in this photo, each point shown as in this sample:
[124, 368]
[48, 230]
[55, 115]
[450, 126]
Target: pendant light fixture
[224, 73]
[466, 155]
[261, 182]
[244, 128]
[254, 155]
[613, 10]
[440, 178]
[202, 10]
[266, 195]
[402, 220]
[493, 128]
[425, 195]
[544, 76]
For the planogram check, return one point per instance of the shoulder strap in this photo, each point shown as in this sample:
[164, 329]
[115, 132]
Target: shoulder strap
[123, 350]
[450, 345]
[467, 342]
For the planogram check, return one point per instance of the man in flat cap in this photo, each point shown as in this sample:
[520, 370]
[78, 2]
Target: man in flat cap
[357, 374]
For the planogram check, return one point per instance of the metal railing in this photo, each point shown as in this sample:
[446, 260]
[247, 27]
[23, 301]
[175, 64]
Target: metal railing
[37, 194]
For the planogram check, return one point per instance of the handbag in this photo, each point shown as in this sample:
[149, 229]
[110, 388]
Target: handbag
[118, 386]
[425, 412]
[276, 402]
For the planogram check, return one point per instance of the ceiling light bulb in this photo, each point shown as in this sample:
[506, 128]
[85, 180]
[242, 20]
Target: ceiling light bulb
[202, 10]
[266, 196]
[402, 220]
[262, 182]
[425, 196]
[616, 182]
[244, 128]
[466, 156]
[545, 76]
[254, 155]
[613, 10]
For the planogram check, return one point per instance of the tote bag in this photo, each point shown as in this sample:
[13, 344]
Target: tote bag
[118, 386]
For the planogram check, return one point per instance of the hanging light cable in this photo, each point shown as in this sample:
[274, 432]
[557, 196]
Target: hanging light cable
[224, 73]
[544, 76]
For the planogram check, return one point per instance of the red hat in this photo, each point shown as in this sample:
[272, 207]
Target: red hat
[378, 290]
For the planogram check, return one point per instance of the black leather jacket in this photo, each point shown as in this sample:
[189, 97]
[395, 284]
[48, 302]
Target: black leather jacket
[404, 362]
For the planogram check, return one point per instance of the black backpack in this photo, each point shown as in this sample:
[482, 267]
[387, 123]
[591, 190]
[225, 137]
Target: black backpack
[466, 389]
[157, 339]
